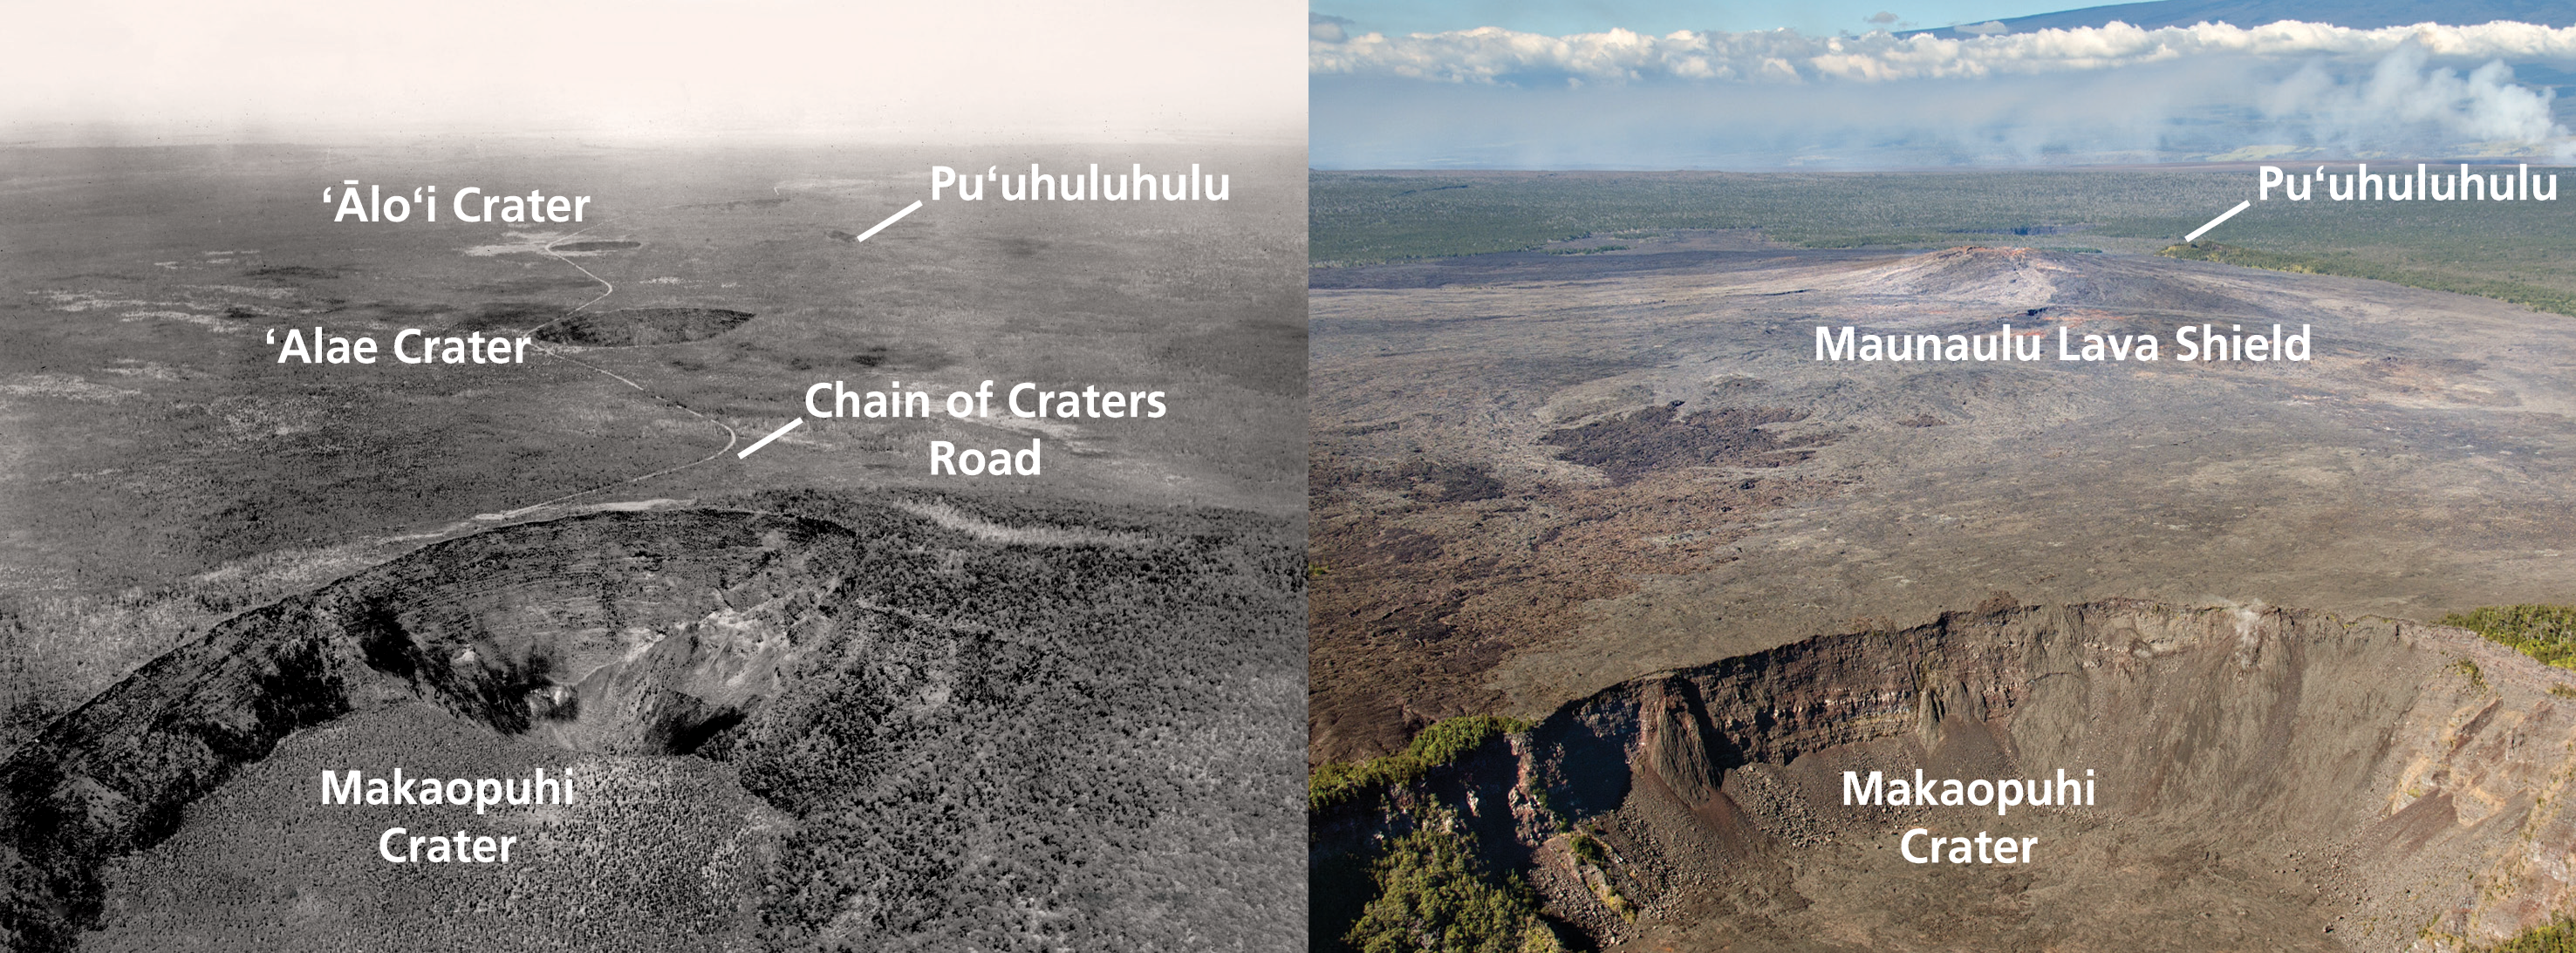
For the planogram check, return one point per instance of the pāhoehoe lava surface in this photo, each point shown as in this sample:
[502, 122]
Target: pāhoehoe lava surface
[974, 711]
[2266, 779]
[1631, 446]
[1537, 475]
[637, 327]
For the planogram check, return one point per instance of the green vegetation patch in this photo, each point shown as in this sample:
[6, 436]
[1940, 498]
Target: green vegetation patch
[2544, 632]
[1363, 218]
[2469, 670]
[2521, 252]
[1444, 742]
[1587, 849]
[2535, 297]
[2558, 936]
[1433, 894]
[2242, 257]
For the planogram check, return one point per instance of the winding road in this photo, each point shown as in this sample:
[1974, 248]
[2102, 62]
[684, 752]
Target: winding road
[732, 436]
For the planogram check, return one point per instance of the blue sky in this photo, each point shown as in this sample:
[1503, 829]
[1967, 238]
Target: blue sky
[1665, 16]
[1403, 85]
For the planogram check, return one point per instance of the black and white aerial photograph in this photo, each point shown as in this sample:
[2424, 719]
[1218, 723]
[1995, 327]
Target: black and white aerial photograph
[667, 476]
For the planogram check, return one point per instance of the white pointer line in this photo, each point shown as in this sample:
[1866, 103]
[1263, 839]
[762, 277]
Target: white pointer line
[2187, 239]
[890, 219]
[773, 435]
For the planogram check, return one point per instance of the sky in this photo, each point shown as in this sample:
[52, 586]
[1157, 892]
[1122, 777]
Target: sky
[1615, 84]
[1665, 16]
[678, 70]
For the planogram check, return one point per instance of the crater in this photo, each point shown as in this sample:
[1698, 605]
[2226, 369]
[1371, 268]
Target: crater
[621, 633]
[640, 327]
[596, 244]
[262, 863]
[747, 691]
[293, 273]
[2273, 779]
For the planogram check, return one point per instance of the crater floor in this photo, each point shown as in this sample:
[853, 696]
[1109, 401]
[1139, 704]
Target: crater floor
[811, 721]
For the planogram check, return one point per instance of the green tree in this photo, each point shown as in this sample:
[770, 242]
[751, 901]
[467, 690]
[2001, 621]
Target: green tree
[1434, 897]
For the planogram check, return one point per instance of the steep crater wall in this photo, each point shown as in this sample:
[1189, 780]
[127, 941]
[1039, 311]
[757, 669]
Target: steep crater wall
[2264, 779]
[628, 633]
[1063, 723]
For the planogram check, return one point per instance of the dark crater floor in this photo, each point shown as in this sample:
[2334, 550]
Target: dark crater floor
[638, 327]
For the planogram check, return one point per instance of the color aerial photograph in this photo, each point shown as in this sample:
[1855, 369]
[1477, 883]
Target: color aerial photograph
[1939, 477]
[766, 476]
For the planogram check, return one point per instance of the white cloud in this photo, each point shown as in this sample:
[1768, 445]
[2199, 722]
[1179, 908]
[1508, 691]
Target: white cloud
[2483, 105]
[2097, 95]
[1495, 55]
[1325, 28]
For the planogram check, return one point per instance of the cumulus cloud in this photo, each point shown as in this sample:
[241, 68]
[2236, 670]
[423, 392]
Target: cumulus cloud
[1779, 98]
[1881, 18]
[2402, 88]
[1493, 54]
[1326, 28]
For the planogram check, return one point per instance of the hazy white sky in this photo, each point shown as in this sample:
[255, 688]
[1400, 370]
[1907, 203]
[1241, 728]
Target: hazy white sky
[685, 70]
